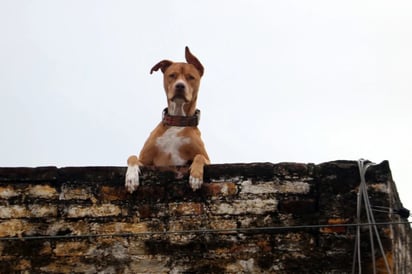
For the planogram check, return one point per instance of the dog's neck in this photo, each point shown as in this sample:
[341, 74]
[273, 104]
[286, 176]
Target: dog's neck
[181, 108]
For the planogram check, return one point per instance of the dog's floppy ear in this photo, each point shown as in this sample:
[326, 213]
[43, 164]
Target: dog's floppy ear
[162, 65]
[191, 59]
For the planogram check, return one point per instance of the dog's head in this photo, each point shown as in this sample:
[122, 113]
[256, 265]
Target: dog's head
[181, 82]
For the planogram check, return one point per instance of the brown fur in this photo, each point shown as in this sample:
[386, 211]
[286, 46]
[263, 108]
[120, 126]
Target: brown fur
[182, 104]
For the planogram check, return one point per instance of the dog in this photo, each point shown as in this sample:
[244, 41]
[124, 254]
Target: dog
[176, 141]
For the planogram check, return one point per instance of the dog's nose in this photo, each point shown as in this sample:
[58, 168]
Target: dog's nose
[180, 87]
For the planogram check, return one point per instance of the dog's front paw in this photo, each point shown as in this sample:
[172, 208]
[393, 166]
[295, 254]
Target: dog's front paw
[195, 182]
[132, 178]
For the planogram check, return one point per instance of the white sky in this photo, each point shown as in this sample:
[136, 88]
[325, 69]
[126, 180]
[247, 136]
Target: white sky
[299, 81]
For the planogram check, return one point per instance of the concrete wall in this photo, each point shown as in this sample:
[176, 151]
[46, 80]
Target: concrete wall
[81, 220]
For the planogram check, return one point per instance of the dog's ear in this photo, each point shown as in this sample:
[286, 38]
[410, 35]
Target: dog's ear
[162, 65]
[191, 59]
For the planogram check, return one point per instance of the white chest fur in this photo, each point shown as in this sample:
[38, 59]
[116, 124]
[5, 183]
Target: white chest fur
[169, 143]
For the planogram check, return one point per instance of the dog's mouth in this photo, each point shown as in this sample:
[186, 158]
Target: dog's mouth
[179, 98]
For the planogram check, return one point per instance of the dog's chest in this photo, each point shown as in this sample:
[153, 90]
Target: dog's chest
[170, 143]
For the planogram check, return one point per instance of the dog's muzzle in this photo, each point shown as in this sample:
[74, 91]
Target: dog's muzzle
[179, 91]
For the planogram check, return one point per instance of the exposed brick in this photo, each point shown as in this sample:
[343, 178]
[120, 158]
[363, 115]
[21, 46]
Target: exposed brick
[65, 227]
[68, 265]
[34, 211]
[264, 245]
[109, 193]
[42, 191]
[223, 224]
[11, 228]
[335, 229]
[380, 263]
[105, 210]
[13, 211]
[121, 227]
[43, 211]
[23, 264]
[8, 192]
[220, 189]
[76, 192]
[150, 264]
[186, 208]
[244, 249]
[137, 248]
[236, 207]
[190, 223]
[72, 248]
[187, 225]
[112, 248]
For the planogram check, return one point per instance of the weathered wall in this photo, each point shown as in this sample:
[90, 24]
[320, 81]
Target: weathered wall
[81, 220]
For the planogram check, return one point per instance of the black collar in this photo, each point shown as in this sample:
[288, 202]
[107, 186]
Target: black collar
[180, 121]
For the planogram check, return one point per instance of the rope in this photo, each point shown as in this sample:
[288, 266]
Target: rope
[256, 230]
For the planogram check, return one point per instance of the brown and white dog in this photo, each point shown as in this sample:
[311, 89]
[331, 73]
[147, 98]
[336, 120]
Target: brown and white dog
[176, 140]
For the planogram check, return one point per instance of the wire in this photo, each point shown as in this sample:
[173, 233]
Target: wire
[363, 193]
[202, 231]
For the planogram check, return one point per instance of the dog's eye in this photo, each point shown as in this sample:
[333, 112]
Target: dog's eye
[191, 77]
[172, 75]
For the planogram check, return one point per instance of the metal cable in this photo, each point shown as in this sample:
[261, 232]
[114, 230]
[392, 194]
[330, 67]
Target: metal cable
[363, 193]
[256, 230]
[356, 252]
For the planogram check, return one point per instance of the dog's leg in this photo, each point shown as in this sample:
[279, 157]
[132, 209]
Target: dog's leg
[196, 171]
[132, 173]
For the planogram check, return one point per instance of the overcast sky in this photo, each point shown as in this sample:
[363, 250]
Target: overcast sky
[295, 81]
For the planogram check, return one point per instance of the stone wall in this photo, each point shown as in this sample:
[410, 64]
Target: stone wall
[246, 218]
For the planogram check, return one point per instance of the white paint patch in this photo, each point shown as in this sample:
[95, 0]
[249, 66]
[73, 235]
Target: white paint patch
[256, 206]
[170, 143]
[248, 266]
[225, 190]
[247, 187]
[295, 187]
[258, 187]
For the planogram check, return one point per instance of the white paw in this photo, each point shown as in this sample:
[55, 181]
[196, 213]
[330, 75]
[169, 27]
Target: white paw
[195, 183]
[132, 178]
